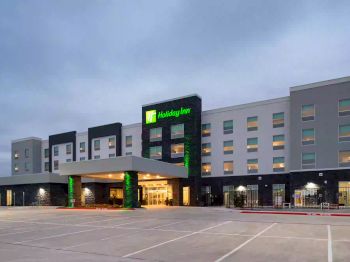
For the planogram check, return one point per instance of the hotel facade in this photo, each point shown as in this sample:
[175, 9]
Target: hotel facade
[294, 149]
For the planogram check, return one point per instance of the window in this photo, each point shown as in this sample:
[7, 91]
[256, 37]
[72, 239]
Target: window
[55, 165]
[344, 107]
[228, 167]
[252, 123]
[278, 164]
[47, 166]
[206, 130]
[177, 150]
[46, 152]
[206, 169]
[155, 134]
[228, 147]
[16, 155]
[97, 157]
[69, 149]
[128, 141]
[308, 136]
[206, 149]
[278, 142]
[97, 145]
[278, 120]
[55, 150]
[111, 155]
[344, 158]
[308, 112]
[26, 166]
[111, 142]
[308, 160]
[252, 166]
[26, 153]
[68, 160]
[116, 193]
[252, 144]
[82, 147]
[177, 131]
[128, 153]
[228, 127]
[15, 167]
[155, 152]
[82, 158]
[344, 133]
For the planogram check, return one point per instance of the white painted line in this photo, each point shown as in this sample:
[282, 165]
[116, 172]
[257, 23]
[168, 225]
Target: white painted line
[96, 221]
[245, 243]
[175, 239]
[28, 231]
[330, 250]
[174, 223]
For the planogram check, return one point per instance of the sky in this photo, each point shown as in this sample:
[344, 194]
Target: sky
[70, 65]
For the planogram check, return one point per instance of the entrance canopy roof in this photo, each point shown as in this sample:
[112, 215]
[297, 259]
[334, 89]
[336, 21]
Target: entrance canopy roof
[114, 168]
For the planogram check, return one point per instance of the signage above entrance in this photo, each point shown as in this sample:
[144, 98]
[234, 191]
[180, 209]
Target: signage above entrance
[152, 116]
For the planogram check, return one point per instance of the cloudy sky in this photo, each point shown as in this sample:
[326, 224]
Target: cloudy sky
[70, 65]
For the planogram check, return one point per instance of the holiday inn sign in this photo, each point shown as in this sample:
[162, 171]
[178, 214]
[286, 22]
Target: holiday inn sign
[152, 115]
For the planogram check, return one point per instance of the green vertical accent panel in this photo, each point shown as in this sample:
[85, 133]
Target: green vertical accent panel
[70, 191]
[128, 190]
[187, 155]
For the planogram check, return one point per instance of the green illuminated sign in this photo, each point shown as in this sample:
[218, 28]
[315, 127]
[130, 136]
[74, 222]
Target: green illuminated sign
[152, 116]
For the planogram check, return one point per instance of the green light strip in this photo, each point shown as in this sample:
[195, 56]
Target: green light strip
[128, 190]
[70, 191]
[187, 156]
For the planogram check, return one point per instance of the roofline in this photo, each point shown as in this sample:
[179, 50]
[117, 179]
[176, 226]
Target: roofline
[132, 125]
[319, 84]
[172, 99]
[26, 138]
[248, 105]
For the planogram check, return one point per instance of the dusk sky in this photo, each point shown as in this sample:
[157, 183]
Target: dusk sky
[65, 65]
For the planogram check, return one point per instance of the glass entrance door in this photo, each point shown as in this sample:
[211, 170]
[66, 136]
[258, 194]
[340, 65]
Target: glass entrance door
[157, 196]
[252, 196]
[344, 194]
[9, 197]
[156, 193]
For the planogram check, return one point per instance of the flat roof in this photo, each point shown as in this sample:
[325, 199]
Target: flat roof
[114, 168]
[26, 139]
[172, 99]
[321, 83]
[40, 178]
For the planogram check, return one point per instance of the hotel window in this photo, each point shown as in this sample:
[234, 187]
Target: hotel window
[252, 144]
[177, 131]
[111, 155]
[82, 147]
[55, 165]
[26, 166]
[47, 166]
[252, 123]
[206, 130]
[308, 160]
[344, 133]
[228, 147]
[82, 158]
[128, 141]
[155, 152]
[206, 149]
[308, 136]
[46, 152]
[55, 150]
[278, 120]
[308, 112]
[111, 142]
[116, 193]
[15, 167]
[155, 134]
[252, 166]
[344, 158]
[228, 127]
[97, 146]
[128, 153]
[26, 153]
[344, 107]
[97, 157]
[69, 149]
[278, 164]
[278, 142]
[206, 169]
[68, 160]
[177, 150]
[228, 167]
[16, 155]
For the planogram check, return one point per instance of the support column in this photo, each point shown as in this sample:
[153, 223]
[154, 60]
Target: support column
[177, 191]
[130, 186]
[74, 191]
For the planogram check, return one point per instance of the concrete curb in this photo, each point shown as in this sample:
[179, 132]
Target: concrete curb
[297, 213]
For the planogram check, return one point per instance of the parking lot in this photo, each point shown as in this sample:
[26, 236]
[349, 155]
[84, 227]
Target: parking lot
[169, 234]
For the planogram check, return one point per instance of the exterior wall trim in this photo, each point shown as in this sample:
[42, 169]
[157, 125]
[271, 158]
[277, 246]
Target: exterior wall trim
[321, 83]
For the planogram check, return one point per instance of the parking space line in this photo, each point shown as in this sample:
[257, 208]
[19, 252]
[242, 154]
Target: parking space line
[174, 223]
[330, 250]
[175, 239]
[245, 243]
[104, 220]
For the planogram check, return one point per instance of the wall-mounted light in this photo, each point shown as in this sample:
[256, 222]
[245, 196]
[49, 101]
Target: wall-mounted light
[87, 191]
[311, 185]
[241, 188]
[41, 191]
